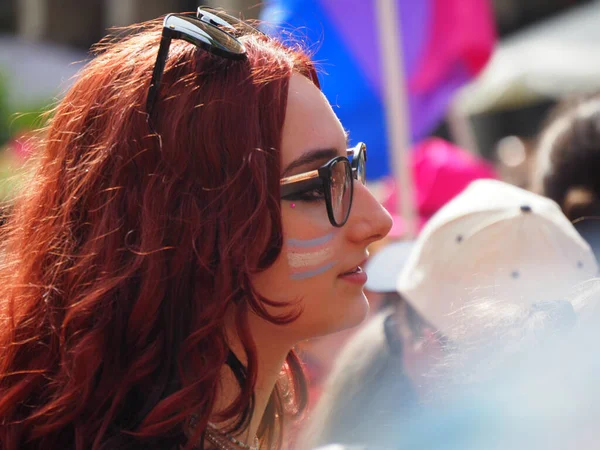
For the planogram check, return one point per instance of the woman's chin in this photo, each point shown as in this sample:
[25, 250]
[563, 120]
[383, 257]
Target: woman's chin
[328, 318]
[351, 316]
[359, 313]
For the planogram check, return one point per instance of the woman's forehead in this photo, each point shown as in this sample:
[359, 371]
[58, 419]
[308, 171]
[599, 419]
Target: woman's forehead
[310, 122]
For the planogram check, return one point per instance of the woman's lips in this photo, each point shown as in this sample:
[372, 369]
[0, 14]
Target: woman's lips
[356, 276]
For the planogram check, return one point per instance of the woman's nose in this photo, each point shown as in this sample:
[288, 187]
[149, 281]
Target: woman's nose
[369, 221]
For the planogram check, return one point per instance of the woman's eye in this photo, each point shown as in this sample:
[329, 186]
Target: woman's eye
[314, 195]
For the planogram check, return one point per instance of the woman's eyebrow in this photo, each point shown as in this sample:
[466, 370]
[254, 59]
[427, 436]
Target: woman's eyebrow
[311, 156]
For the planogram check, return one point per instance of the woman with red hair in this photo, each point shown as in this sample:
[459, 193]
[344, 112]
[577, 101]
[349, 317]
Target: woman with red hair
[193, 214]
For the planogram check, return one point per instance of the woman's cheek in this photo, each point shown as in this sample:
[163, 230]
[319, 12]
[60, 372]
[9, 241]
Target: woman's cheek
[308, 258]
[312, 214]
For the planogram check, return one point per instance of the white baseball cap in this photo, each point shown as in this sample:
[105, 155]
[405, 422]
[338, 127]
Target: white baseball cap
[493, 241]
[385, 265]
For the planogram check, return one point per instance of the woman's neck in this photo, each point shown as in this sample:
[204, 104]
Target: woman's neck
[271, 353]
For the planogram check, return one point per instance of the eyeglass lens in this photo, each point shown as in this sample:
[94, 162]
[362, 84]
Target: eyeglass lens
[341, 190]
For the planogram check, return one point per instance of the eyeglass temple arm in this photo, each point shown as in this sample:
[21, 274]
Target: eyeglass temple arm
[303, 185]
[157, 74]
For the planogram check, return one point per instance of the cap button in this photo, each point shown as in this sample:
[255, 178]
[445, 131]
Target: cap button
[525, 208]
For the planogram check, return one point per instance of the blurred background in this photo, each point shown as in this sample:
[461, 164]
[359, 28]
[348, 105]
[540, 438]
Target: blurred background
[543, 52]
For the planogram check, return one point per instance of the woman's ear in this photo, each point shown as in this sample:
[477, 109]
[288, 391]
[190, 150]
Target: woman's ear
[580, 202]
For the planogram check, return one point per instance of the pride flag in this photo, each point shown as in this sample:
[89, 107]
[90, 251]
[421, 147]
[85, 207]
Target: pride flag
[445, 44]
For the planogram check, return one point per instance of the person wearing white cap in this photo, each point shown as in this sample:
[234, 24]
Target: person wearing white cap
[495, 241]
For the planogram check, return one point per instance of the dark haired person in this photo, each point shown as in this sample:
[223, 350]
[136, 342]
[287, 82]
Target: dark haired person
[492, 244]
[567, 164]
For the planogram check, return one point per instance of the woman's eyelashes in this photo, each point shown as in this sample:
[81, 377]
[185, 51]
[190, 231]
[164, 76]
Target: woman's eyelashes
[314, 195]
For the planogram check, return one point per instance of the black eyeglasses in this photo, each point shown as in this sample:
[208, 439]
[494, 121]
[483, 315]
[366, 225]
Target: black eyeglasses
[211, 29]
[333, 180]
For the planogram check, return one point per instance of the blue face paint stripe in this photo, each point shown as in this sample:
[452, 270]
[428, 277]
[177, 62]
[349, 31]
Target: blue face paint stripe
[312, 273]
[310, 242]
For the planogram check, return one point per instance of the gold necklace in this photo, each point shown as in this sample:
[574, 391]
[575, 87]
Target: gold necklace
[225, 441]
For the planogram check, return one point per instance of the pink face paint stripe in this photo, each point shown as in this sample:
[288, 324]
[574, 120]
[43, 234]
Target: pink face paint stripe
[301, 243]
[312, 273]
[307, 259]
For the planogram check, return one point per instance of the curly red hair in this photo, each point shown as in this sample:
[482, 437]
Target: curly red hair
[131, 242]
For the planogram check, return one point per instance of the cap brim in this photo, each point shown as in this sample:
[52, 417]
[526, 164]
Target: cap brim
[383, 268]
[589, 229]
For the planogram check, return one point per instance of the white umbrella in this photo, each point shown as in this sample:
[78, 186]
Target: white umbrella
[555, 58]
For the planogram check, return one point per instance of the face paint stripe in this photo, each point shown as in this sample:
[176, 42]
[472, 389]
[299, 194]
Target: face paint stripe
[316, 248]
[301, 243]
[307, 259]
[312, 273]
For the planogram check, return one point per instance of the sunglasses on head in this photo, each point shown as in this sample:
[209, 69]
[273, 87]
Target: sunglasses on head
[211, 29]
[334, 181]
